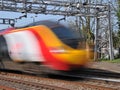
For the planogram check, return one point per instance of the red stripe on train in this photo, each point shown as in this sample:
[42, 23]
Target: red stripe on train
[51, 61]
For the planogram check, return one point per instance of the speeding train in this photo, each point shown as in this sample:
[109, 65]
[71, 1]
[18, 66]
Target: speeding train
[46, 43]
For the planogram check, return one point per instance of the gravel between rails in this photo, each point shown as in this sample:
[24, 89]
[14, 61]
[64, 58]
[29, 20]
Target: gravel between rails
[70, 85]
[114, 85]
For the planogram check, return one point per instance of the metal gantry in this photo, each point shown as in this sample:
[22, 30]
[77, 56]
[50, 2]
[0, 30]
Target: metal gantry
[79, 8]
[54, 7]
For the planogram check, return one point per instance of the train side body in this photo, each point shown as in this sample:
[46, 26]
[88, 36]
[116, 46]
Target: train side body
[41, 44]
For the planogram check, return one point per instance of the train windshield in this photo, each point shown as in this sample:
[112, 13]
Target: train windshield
[68, 36]
[65, 33]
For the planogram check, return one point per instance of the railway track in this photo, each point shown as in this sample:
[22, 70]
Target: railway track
[103, 83]
[29, 82]
[10, 81]
[83, 79]
[96, 77]
[90, 73]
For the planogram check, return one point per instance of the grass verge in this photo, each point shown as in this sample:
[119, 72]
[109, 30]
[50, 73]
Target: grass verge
[112, 61]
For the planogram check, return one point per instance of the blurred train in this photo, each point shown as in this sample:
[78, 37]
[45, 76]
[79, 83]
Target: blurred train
[46, 43]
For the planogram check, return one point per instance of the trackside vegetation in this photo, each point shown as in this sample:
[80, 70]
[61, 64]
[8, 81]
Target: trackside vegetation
[111, 61]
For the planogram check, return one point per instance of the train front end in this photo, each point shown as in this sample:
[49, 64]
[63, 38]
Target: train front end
[63, 48]
[72, 51]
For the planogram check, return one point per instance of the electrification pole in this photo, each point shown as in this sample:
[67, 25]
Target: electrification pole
[110, 35]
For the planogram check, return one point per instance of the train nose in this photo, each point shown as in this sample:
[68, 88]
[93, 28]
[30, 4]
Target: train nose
[79, 57]
[71, 56]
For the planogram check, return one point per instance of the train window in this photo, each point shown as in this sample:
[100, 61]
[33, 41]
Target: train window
[68, 36]
[65, 33]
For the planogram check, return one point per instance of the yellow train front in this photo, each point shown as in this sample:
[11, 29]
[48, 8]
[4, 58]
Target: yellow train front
[47, 43]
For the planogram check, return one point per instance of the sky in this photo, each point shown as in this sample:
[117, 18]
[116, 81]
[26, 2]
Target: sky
[24, 21]
[30, 18]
